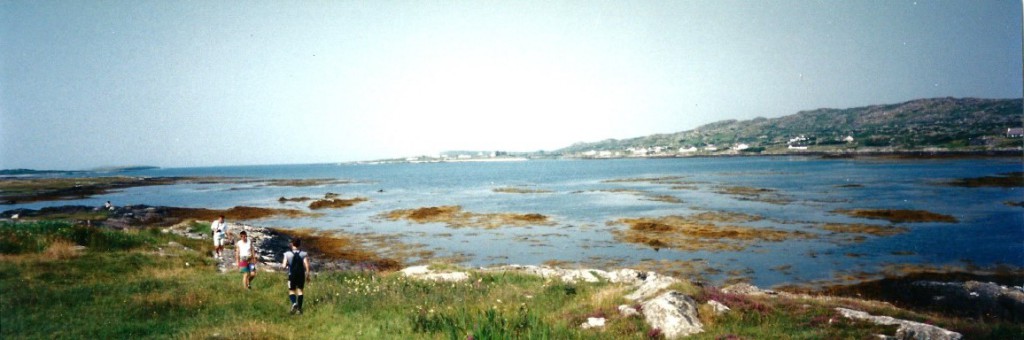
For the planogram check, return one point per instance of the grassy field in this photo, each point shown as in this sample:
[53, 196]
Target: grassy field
[148, 284]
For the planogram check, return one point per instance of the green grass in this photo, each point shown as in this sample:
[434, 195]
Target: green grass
[29, 237]
[201, 228]
[137, 285]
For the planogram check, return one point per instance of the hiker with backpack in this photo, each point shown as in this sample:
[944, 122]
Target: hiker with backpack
[297, 264]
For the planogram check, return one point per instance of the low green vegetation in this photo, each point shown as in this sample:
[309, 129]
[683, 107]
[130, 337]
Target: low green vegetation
[963, 124]
[147, 283]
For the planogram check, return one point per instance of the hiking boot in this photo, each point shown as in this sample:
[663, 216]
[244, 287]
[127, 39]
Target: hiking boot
[295, 309]
[299, 312]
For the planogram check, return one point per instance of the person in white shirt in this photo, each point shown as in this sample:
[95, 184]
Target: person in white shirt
[220, 234]
[246, 259]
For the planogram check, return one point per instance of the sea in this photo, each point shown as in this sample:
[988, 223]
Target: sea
[585, 199]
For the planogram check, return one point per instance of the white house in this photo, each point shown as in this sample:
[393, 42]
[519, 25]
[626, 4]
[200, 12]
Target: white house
[740, 147]
[688, 150]
[848, 139]
[1015, 132]
[710, 147]
[639, 151]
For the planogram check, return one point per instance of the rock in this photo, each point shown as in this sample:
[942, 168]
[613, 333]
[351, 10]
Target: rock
[673, 313]
[593, 323]
[627, 311]
[627, 276]
[747, 289]
[908, 330]
[425, 273]
[570, 275]
[971, 298]
[652, 286]
[718, 307]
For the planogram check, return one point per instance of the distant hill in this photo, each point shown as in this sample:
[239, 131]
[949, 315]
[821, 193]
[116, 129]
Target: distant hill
[938, 123]
[32, 172]
[25, 172]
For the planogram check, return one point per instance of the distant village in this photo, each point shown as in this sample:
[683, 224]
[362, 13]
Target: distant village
[800, 142]
[795, 144]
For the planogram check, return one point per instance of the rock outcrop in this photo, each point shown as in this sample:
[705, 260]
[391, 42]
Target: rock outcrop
[908, 330]
[425, 273]
[673, 313]
[971, 298]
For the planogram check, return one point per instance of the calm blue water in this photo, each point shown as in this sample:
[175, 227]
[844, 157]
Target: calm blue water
[581, 204]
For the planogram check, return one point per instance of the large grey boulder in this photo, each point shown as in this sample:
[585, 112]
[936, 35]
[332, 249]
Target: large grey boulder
[651, 286]
[908, 330]
[673, 313]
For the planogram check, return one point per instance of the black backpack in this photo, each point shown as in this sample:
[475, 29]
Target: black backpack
[296, 268]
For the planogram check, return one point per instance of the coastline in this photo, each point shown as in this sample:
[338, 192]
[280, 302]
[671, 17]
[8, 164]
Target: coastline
[908, 154]
[621, 302]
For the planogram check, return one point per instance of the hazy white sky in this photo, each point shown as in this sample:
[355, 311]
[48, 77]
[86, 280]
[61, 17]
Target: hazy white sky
[193, 83]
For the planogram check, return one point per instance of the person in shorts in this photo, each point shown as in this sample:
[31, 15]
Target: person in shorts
[220, 234]
[296, 262]
[245, 256]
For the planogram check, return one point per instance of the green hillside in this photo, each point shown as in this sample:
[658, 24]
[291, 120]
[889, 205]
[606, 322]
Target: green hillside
[938, 123]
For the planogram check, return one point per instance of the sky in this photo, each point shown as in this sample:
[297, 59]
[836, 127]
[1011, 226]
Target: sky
[86, 84]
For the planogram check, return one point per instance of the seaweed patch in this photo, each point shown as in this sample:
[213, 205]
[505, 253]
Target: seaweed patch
[898, 215]
[455, 217]
[700, 232]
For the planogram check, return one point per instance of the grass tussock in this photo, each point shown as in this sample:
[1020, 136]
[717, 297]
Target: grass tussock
[455, 217]
[691, 233]
[61, 250]
[336, 203]
[898, 215]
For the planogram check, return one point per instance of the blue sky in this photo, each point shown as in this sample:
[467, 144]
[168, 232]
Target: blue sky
[189, 83]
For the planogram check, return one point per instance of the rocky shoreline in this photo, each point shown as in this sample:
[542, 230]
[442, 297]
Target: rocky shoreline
[664, 309]
[677, 314]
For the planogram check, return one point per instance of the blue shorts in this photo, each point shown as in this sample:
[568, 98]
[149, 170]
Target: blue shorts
[247, 267]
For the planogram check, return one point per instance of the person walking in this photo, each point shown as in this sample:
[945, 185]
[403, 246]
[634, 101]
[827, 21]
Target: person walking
[297, 264]
[220, 234]
[245, 256]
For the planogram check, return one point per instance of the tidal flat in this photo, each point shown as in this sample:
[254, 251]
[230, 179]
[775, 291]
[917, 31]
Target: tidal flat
[576, 211]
